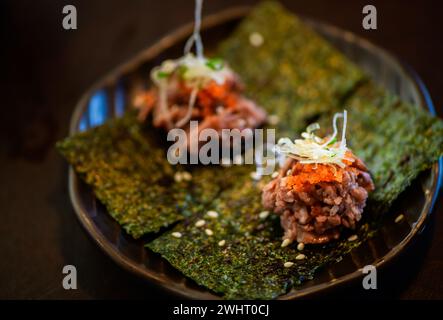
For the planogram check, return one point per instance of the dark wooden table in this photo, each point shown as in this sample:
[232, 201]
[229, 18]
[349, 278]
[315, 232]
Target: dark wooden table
[45, 70]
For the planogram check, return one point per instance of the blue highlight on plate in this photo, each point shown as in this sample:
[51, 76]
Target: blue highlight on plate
[83, 124]
[98, 108]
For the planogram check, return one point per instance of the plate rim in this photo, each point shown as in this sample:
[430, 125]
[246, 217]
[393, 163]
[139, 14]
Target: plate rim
[180, 33]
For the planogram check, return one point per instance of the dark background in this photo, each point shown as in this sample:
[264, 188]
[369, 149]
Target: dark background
[44, 71]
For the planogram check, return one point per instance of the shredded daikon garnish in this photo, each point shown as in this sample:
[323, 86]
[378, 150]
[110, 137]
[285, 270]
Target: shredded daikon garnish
[195, 37]
[313, 149]
[195, 71]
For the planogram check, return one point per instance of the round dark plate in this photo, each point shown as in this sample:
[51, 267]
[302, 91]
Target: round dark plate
[109, 98]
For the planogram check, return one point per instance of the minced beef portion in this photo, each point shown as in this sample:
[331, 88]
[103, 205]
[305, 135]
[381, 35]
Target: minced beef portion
[316, 201]
[217, 106]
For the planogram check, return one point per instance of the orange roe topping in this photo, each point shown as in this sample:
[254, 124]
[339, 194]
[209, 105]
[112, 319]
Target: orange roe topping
[217, 91]
[305, 175]
[212, 95]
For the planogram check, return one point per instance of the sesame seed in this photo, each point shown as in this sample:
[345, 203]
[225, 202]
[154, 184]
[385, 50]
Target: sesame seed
[289, 172]
[274, 174]
[263, 214]
[177, 234]
[212, 214]
[399, 218]
[288, 264]
[178, 177]
[300, 246]
[353, 237]
[273, 119]
[186, 176]
[300, 256]
[209, 232]
[221, 243]
[256, 39]
[200, 223]
[286, 243]
[255, 175]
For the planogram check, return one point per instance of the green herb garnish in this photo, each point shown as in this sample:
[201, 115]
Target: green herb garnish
[332, 141]
[162, 74]
[215, 64]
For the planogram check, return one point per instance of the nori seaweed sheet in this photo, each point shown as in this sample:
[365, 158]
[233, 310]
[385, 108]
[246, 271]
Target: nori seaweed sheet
[125, 163]
[301, 78]
[396, 140]
[127, 171]
[295, 74]
[250, 265]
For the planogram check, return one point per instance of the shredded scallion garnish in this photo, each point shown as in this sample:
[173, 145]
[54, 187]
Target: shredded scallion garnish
[313, 149]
